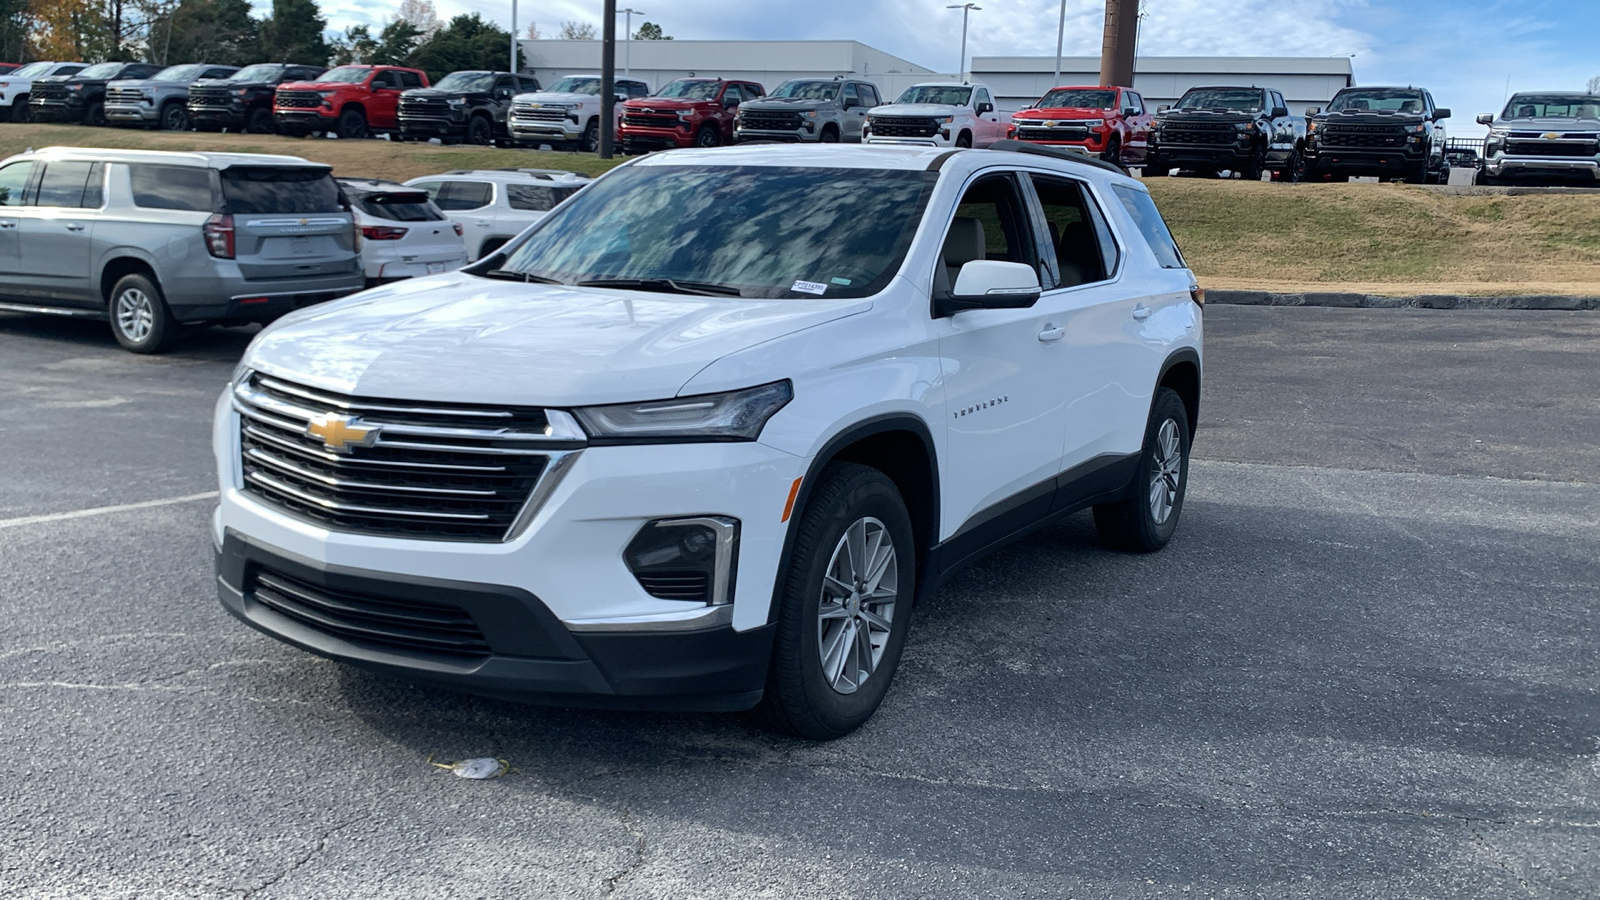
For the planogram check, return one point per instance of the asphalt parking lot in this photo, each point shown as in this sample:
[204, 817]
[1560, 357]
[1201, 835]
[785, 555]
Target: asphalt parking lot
[1365, 668]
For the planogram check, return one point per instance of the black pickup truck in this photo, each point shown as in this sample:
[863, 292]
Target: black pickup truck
[243, 102]
[464, 106]
[1384, 131]
[1245, 130]
[81, 98]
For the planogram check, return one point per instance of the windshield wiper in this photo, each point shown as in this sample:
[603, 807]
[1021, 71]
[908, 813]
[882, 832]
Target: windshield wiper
[665, 286]
[525, 277]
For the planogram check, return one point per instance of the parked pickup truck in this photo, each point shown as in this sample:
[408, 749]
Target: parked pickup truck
[350, 101]
[16, 85]
[1110, 122]
[464, 106]
[1382, 131]
[568, 115]
[1244, 130]
[689, 112]
[160, 101]
[1543, 135]
[81, 98]
[243, 101]
[808, 111]
[938, 115]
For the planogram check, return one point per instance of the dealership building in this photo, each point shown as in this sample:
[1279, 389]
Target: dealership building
[1017, 80]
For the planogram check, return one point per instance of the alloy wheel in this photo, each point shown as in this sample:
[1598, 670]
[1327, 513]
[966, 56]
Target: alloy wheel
[136, 314]
[1166, 472]
[855, 613]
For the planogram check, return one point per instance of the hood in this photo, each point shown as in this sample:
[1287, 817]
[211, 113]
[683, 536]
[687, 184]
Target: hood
[1206, 115]
[1369, 117]
[436, 94]
[319, 86]
[455, 338]
[1549, 123]
[784, 104]
[553, 97]
[919, 109]
[1065, 112]
[665, 103]
[55, 79]
[138, 83]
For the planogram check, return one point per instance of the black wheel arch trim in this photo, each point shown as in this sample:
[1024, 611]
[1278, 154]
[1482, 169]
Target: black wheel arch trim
[1191, 356]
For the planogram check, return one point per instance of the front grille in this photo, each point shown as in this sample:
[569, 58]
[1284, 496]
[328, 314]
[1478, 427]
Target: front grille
[776, 120]
[1372, 136]
[431, 472]
[904, 126]
[677, 585]
[542, 114]
[124, 97]
[650, 120]
[1037, 133]
[1550, 148]
[208, 96]
[299, 99]
[385, 622]
[48, 92]
[411, 106]
[1199, 133]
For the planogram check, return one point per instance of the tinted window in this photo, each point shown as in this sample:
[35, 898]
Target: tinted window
[464, 195]
[13, 181]
[525, 85]
[1081, 246]
[732, 94]
[869, 93]
[536, 197]
[1143, 211]
[218, 73]
[249, 190]
[409, 79]
[69, 184]
[172, 187]
[752, 91]
[637, 89]
[399, 206]
[767, 231]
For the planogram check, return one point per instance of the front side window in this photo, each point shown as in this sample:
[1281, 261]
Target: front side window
[754, 231]
[14, 182]
[732, 95]
[1150, 224]
[74, 185]
[292, 190]
[1081, 243]
[691, 90]
[990, 223]
[408, 80]
[172, 187]
[636, 89]
[870, 95]
[983, 97]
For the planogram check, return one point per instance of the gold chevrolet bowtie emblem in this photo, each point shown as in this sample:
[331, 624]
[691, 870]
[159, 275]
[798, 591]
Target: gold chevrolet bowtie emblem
[341, 433]
[1551, 135]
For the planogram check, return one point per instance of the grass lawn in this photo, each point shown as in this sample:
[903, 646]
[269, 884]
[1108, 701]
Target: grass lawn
[1372, 238]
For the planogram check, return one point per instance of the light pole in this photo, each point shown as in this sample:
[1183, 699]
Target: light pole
[1061, 31]
[966, 10]
[627, 38]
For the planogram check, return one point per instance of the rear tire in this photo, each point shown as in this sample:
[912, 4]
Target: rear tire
[844, 608]
[140, 320]
[1144, 520]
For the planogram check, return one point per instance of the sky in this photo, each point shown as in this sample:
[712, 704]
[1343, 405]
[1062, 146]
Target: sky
[1465, 51]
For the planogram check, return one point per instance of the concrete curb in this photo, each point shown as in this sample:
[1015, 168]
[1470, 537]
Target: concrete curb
[1418, 301]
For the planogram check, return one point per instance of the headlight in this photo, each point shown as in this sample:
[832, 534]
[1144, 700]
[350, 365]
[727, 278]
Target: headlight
[240, 92]
[240, 373]
[1499, 132]
[576, 106]
[734, 416]
[456, 102]
[685, 113]
[811, 114]
[74, 87]
[1092, 123]
[1418, 129]
[947, 120]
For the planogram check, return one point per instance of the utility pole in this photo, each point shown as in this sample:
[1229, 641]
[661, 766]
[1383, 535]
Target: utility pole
[608, 80]
[966, 10]
[627, 38]
[513, 69]
[1061, 32]
[1119, 42]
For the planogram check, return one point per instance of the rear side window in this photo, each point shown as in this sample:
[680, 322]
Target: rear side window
[407, 80]
[267, 189]
[407, 206]
[172, 187]
[537, 197]
[1143, 212]
[1083, 249]
[13, 182]
[70, 184]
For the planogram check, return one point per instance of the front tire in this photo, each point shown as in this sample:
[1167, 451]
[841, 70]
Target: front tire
[844, 608]
[1144, 520]
[19, 109]
[175, 117]
[260, 121]
[591, 137]
[1157, 166]
[707, 136]
[1113, 151]
[480, 131]
[95, 115]
[140, 320]
[964, 140]
[352, 125]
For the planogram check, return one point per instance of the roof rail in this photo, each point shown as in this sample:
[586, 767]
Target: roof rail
[1062, 153]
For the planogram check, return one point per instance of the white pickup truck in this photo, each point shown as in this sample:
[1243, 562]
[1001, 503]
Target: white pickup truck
[939, 115]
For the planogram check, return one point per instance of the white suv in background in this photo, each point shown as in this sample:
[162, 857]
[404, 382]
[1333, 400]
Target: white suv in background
[495, 205]
[403, 235]
[704, 436]
[15, 86]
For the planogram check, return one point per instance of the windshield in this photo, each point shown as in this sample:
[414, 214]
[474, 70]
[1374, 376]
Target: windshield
[258, 72]
[346, 74]
[942, 94]
[466, 81]
[1077, 98]
[691, 90]
[178, 73]
[767, 231]
[576, 84]
[805, 90]
[102, 70]
[32, 70]
[1233, 99]
[1553, 106]
[1398, 101]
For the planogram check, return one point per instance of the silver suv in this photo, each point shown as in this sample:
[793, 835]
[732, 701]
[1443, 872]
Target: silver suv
[152, 241]
[807, 110]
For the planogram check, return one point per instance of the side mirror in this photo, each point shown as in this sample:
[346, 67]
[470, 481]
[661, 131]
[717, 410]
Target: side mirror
[621, 98]
[992, 284]
[1313, 110]
[982, 108]
[1439, 114]
[1129, 111]
[1163, 107]
[1485, 119]
[1279, 112]
[849, 103]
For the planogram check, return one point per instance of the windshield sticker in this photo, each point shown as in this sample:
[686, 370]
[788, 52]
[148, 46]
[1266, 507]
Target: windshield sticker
[842, 282]
[809, 287]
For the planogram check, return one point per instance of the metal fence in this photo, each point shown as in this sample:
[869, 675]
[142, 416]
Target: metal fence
[1464, 151]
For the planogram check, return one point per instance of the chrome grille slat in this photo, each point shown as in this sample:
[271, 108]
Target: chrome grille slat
[315, 396]
[349, 460]
[269, 460]
[274, 484]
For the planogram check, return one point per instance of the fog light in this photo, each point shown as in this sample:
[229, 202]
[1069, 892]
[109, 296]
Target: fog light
[686, 559]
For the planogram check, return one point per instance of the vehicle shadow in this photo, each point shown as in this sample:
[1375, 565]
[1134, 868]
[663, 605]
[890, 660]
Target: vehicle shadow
[201, 343]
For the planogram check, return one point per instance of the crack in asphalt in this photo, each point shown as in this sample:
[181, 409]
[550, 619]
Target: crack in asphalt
[612, 882]
[322, 843]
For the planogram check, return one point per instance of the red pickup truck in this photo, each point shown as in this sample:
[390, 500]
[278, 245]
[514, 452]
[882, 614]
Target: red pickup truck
[689, 112]
[350, 101]
[1111, 122]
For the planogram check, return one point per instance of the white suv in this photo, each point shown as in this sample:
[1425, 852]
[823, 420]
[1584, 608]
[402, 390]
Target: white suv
[495, 205]
[703, 437]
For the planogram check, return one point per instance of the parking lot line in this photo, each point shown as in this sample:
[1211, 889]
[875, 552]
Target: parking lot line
[104, 510]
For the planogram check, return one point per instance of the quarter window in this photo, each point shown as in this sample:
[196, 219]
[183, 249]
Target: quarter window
[70, 184]
[1080, 242]
[1144, 214]
[14, 182]
[461, 195]
[171, 187]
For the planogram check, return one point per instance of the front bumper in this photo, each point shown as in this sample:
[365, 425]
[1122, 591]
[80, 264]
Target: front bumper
[226, 296]
[1221, 156]
[1542, 165]
[427, 127]
[1360, 160]
[219, 116]
[56, 111]
[760, 136]
[132, 115]
[936, 141]
[657, 138]
[546, 131]
[387, 265]
[293, 120]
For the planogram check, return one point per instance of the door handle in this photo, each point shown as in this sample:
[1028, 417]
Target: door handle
[1142, 312]
[8, 223]
[74, 226]
[1051, 333]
